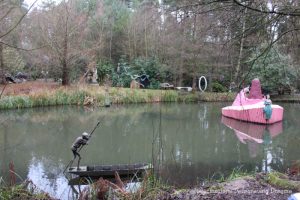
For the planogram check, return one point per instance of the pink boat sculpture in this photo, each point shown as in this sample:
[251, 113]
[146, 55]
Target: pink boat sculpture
[252, 106]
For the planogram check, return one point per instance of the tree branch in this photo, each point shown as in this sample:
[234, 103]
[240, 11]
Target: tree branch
[287, 13]
[19, 21]
[264, 52]
[7, 13]
[20, 48]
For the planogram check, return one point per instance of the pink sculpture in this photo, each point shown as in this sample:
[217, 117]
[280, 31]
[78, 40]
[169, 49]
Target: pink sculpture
[250, 107]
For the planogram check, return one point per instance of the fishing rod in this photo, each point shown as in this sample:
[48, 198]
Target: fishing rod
[90, 135]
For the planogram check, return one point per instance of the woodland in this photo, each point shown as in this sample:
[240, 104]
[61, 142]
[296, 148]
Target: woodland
[229, 42]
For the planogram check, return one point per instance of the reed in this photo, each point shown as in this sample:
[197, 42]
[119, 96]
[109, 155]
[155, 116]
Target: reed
[149, 188]
[219, 177]
[21, 192]
[216, 97]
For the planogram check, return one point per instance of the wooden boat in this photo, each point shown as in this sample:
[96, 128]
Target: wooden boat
[251, 108]
[108, 171]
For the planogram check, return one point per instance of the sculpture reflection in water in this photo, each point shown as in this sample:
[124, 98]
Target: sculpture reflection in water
[253, 134]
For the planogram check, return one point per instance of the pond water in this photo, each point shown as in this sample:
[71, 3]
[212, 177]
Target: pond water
[186, 142]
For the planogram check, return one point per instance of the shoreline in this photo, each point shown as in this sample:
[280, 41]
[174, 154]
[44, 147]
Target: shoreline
[272, 185]
[100, 96]
[42, 94]
[256, 186]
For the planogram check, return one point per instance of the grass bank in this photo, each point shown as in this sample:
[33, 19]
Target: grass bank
[98, 96]
[238, 185]
[26, 190]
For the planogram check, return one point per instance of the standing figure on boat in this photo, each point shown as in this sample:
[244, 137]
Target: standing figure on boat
[268, 108]
[78, 143]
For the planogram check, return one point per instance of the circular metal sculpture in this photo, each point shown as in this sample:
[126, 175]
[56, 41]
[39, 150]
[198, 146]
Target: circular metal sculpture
[205, 84]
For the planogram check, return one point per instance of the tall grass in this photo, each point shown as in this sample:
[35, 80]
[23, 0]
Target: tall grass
[211, 96]
[150, 188]
[237, 172]
[8, 102]
[21, 192]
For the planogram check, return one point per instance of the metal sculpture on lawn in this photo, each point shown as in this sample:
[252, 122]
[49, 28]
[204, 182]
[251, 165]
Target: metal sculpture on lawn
[137, 80]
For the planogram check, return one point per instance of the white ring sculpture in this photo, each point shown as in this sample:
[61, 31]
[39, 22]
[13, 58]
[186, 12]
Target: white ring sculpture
[205, 85]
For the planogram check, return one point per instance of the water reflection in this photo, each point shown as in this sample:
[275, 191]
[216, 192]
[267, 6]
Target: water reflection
[48, 177]
[253, 134]
[186, 142]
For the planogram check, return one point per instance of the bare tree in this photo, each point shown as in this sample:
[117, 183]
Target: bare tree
[12, 14]
[63, 30]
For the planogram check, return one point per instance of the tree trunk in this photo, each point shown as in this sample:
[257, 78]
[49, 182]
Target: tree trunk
[145, 36]
[129, 42]
[65, 70]
[238, 66]
[180, 78]
[210, 78]
[110, 43]
[181, 61]
[2, 75]
[134, 42]
[65, 73]
[194, 82]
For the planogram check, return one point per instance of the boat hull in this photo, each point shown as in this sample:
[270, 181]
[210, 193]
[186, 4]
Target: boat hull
[253, 113]
[108, 171]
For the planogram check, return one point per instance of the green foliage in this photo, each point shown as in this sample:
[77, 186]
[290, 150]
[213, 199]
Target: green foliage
[123, 74]
[151, 67]
[105, 69]
[154, 84]
[273, 69]
[88, 6]
[217, 87]
[116, 14]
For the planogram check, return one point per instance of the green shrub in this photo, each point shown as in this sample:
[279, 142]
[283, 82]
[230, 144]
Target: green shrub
[217, 87]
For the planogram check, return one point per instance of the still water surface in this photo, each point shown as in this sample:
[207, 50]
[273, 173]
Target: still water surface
[186, 142]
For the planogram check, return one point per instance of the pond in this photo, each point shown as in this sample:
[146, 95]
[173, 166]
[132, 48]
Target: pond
[187, 142]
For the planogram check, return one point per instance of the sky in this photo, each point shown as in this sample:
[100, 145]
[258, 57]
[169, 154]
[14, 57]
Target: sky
[30, 2]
